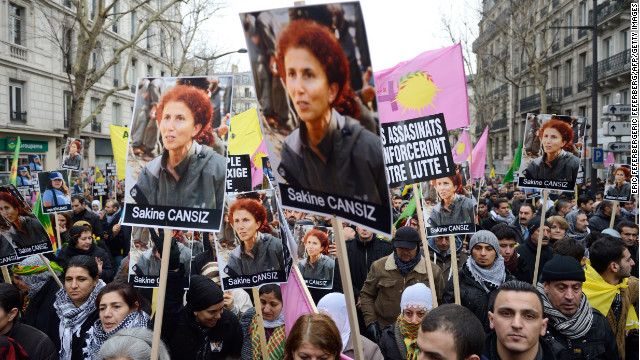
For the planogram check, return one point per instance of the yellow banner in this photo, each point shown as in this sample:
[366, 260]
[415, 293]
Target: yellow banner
[119, 141]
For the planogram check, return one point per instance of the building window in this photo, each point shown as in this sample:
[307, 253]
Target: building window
[116, 72]
[132, 75]
[584, 14]
[582, 63]
[67, 64]
[149, 71]
[115, 114]
[134, 23]
[606, 98]
[624, 38]
[16, 95]
[68, 103]
[161, 73]
[115, 10]
[15, 24]
[556, 76]
[568, 73]
[95, 120]
[162, 44]
[582, 111]
[94, 5]
[147, 34]
[247, 92]
[607, 47]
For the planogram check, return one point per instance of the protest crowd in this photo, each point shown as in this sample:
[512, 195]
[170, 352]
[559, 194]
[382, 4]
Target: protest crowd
[586, 294]
[177, 259]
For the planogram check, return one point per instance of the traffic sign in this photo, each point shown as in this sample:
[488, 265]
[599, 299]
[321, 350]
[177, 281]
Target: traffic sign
[617, 128]
[618, 146]
[619, 109]
[598, 155]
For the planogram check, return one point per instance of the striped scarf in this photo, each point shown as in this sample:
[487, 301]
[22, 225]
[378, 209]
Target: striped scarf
[275, 344]
[573, 327]
[409, 332]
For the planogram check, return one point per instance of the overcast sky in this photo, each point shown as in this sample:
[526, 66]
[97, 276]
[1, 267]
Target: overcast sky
[397, 30]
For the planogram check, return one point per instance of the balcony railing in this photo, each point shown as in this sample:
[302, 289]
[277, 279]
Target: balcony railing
[582, 33]
[554, 95]
[20, 117]
[609, 9]
[582, 86]
[18, 52]
[568, 91]
[555, 47]
[499, 124]
[497, 90]
[555, 3]
[610, 66]
[568, 40]
[96, 126]
[516, 70]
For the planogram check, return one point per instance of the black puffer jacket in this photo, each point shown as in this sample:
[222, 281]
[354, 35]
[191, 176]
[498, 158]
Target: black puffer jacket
[528, 251]
[599, 221]
[391, 346]
[42, 315]
[108, 272]
[472, 295]
[361, 255]
[598, 343]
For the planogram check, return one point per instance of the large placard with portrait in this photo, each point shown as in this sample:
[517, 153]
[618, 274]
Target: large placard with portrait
[553, 145]
[21, 233]
[315, 263]
[312, 72]
[449, 206]
[618, 183]
[176, 165]
[250, 246]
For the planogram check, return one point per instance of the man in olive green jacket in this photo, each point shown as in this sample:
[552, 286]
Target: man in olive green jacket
[389, 276]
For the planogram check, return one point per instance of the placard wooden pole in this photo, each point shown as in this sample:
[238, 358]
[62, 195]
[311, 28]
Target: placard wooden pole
[59, 242]
[545, 194]
[425, 245]
[162, 290]
[614, 210]
[347, 287]
[44, 260]
[454, 269]
[260, 322]
[5, 275]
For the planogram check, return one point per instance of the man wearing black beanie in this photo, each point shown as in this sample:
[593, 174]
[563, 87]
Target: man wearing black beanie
[529, 248]
[575, 330]
[206, 330]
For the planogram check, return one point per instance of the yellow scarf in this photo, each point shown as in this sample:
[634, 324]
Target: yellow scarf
[600, 295]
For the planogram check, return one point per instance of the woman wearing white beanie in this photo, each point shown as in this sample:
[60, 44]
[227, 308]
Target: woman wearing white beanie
[398, 341]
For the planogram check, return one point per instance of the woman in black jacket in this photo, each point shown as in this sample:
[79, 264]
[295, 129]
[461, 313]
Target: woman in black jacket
[81, 243]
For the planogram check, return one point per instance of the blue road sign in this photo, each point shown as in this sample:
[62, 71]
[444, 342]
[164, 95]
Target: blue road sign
[598, 155]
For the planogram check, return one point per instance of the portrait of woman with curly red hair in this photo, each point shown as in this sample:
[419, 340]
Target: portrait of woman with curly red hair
[259, 251]
[620, 188]
[329, 139]
[454, 206]
[188, 172]
[557, 162]
[72, 154]
[317, 266]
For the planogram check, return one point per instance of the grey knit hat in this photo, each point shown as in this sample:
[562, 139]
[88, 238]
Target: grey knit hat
[487, 237]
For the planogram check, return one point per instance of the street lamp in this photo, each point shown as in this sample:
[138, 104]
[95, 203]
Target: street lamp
[594, 88]
[213, 57]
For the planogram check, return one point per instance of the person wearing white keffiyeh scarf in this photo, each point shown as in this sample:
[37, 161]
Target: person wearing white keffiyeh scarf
[575, 329]
[75, 304]
[121, 307]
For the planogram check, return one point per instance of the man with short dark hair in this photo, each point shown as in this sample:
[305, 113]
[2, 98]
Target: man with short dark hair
[602, 217]
[525, 213]
[629, 232]
[440, 246]
[480, 275]
[610, 287]
[115, 235]
[517, 318]
[450, 332]
[585, 203]
[572, 248]
[529, 249]
[563, 207]
[388, 278]
[575, 329]
[512, 262]
[81, 213]
[500, 213]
